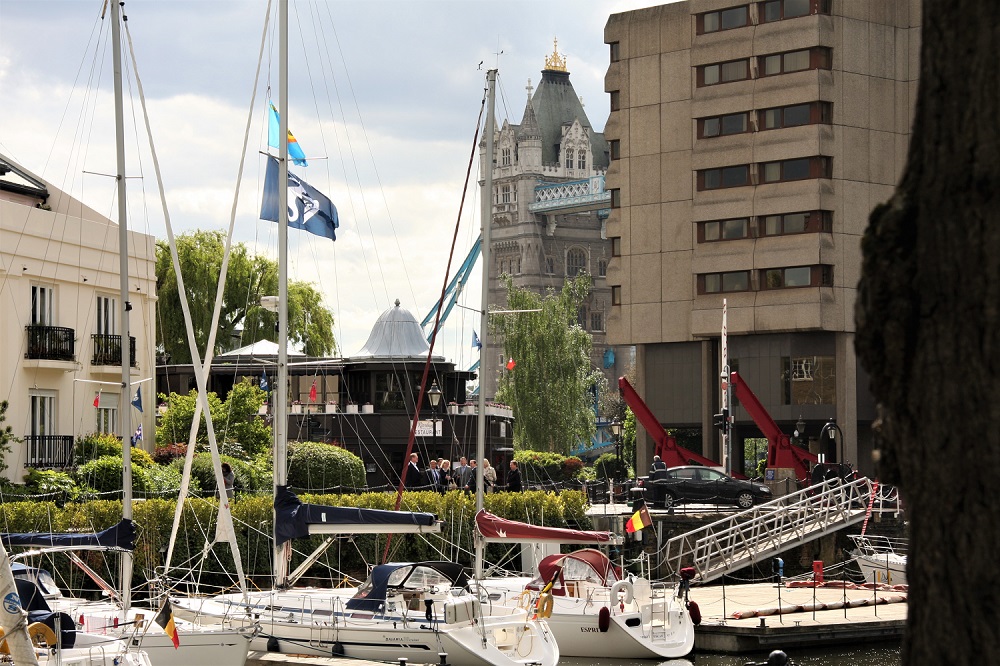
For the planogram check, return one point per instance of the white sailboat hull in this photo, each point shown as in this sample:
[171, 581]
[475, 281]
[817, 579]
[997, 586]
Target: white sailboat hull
[885, 568]
[312, 621]
[95, 650]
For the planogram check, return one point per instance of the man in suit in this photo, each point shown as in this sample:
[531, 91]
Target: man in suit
[434, 475]
[470, 487]
[514, 478]
[414, 477]
[462, 473]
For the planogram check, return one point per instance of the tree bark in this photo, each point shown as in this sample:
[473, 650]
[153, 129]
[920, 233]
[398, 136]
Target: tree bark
[928, 319]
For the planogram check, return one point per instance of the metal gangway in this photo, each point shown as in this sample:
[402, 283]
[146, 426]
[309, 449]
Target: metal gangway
[753, 535]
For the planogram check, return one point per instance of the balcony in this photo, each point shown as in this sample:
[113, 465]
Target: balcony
[108, 350]
[49, 451]
[50, 343]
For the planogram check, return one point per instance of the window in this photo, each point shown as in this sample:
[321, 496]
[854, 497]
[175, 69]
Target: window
[576, 262]
[581, 159]
[725, 19]
[550, 266]
[733, 123]
[106, 309]
[615, 52]
[616, 198]
[616, 246]
[581, 317]
[777, 10]
[616, 295]
[809, 380]
[716, 283]
[602, 267]
[615, 100]
[107, 419]
[796, 276]
[506, 194]
[796, 223]
[732, 176]
[505, 157]
[725, 72]
[615, 149]
[798, 114]
[42, 299]
[798, 169]
[724, 230]
[597, 321]
[818, 57]
[569, 159]
[42, 405]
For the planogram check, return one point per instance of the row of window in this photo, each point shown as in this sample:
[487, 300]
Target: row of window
[581, 159]
[505, 195]
[794, 115]
[42, 413]
[740, 175]
[43, 305]
[815, 221]
[817, 57]
[596, 319]
[767, 12]
[576, 263]
[765, 279]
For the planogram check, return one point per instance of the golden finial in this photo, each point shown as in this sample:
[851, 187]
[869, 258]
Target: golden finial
[555, 61]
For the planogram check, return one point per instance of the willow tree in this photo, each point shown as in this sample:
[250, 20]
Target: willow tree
[549, 387]
[249, 277]
[928, 317]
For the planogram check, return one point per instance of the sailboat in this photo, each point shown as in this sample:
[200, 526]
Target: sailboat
[422, 612]
[116, 617]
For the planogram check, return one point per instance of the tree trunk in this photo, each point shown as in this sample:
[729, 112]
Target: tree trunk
[928, 317]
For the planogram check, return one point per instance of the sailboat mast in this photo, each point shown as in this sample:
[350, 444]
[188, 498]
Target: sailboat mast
[124, 398]
[487, 219]
[281, 402]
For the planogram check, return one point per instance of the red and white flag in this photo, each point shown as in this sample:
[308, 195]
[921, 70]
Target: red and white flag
[511, 363]
[312, 392]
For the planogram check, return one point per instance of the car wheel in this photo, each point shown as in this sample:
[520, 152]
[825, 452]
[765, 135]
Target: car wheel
[744, 500]
[668, 501]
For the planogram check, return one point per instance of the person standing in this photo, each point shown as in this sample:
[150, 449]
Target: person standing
[414, 477]
[489, 476]
[514, 478]
[470, 486]
[462, 473]
[433, 475]
[229, 478]
[447, 481]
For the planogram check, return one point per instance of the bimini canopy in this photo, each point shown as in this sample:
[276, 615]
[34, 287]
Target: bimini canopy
[405, 576]
[587, 564]
[495, 529]
[118, 537]
[296, 520]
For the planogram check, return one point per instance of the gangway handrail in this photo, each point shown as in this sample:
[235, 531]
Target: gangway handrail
[749, 536]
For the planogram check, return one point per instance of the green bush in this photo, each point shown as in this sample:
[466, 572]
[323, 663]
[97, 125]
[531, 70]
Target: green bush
[541, 467]
[607, 467]
[49, 481]
[317, 465]
[203, 473]
[103, 474]
[96, 445]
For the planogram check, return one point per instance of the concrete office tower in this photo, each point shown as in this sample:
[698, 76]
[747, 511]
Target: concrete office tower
[749, 142]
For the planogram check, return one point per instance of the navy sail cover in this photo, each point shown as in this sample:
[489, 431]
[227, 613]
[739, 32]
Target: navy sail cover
[120, 536]
[294, 518]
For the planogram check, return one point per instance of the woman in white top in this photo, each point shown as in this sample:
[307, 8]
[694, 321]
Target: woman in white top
[489, 476]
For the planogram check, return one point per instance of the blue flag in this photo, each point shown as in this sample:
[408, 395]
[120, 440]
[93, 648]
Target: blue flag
[137, 437]
[137, 400]
[609, 357]
[308, 208]
[263, 381]
[475, 341]
[294, 149]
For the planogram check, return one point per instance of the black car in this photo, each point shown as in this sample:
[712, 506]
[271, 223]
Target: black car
[701, 485]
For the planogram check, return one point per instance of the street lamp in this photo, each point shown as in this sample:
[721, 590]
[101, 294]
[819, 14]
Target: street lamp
[832, 430]
[800, 429]
[616, 430]
[434, 396]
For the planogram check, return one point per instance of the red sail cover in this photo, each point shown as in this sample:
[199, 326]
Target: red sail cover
[495, 528]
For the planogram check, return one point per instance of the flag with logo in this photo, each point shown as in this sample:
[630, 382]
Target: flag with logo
[263, 381]
[137, 400]
[274, 128]
[165, 618]
[308, 208]
[475, 341]
[638, 521]
[137, 436]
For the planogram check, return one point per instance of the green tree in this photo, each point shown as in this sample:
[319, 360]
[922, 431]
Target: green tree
[239, 429]
[6, 436]
[249, 277]
[550, 388]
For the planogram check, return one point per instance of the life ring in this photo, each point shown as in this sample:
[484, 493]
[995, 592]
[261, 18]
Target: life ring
[41, 635]
[622, 586]
[544, 606]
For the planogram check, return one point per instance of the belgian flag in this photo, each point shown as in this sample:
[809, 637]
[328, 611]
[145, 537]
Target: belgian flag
[165, 618]
[639, 520]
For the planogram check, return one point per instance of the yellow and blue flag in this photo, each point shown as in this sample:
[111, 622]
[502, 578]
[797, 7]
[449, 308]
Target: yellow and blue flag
[294, 149]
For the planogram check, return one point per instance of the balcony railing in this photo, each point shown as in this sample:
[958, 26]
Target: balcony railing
[50, 343]
[49, 451]
[108, 349]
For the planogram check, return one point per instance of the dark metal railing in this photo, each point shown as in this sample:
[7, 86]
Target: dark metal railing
[49, 451]
[52, 343]
[108, 349]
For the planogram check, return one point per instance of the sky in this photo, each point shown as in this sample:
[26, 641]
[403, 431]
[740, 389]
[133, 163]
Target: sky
[384, 99]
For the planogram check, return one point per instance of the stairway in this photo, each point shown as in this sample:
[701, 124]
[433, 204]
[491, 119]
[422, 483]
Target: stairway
[753, 535]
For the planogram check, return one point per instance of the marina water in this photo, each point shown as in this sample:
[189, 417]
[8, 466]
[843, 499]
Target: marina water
[887, 654]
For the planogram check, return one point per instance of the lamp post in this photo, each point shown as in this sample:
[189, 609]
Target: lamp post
[434, 396]
[616, 431]
[800, 430]
[832, 430]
